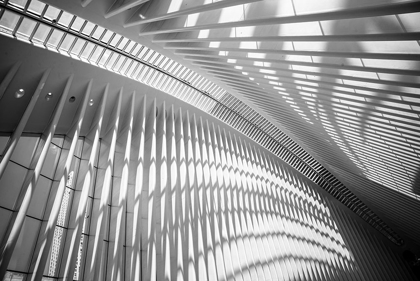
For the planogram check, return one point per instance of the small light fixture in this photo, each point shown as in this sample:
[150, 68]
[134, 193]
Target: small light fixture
[90, 102]
[48, 97]
[72, 99]
[19, 93]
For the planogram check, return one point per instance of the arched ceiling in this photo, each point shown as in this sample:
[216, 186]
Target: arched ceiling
[341, 78]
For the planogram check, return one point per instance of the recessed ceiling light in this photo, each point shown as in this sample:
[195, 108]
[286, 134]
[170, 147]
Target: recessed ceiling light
[91, 102]
[72, 99]
[48, 97]
[19, 93]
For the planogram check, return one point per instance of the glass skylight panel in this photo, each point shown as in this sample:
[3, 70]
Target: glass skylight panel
[128, 66]
[190, 76]
[142, 52]
[88, 28]
[152, 78]
[77, 47]
[143, 73]
[55, 38]
[136, 50]
[183, 73]
[96, 53]
[107, 36]
[41, 33]
[154, 58]
[67, 42]
[77, 24]
[127, 63]
[168, 64]
[122, 43]
[26, 28]
[148, 55]
[51, 13]
[103, 59]
[132, 68]
[172, 67]
[129, 47]
[115, 40]
[36, 7]
[176, 69]
[159, 60]
[18, 3]
[98, 32]
[161, 80]
[118, 63]
[138, 71]
[8, 22]
[88, 48]
[113, 60]
[65, 19]
[163, 62]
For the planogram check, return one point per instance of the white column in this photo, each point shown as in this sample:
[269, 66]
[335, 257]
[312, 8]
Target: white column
[70, 258]
[136, 269]
[47, 236]
[98, 261]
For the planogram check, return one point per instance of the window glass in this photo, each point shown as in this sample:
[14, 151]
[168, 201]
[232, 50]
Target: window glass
[122, 44]
[104, 57]
[163, 62]
[77, 24]
[51, 13]
[65, 46]
[55, 38]
[142, 52]
[129, 47]
[65, 19]
[107, 36]
[132, 68]
[26, 28]
[118, 64]
[36, 7]
[24, 247]
[18, 3]
[39, 198]
[112, 60]
[154, 57]
[8, 22]
[88, 49]
[98, 32]
[78, 46]
[41, 33]
[98, 51]
[148, 55]
[24, 150]
[137, 71]
[126, 65]
[10, 184]
[87, 30]
[136, 49]
[51, 161]
[115, 40]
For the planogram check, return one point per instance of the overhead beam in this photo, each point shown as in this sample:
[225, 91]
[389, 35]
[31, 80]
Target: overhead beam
[359, 12]
[157, 10]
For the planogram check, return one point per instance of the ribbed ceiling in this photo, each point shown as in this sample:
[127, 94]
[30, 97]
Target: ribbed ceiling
[341, 78]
